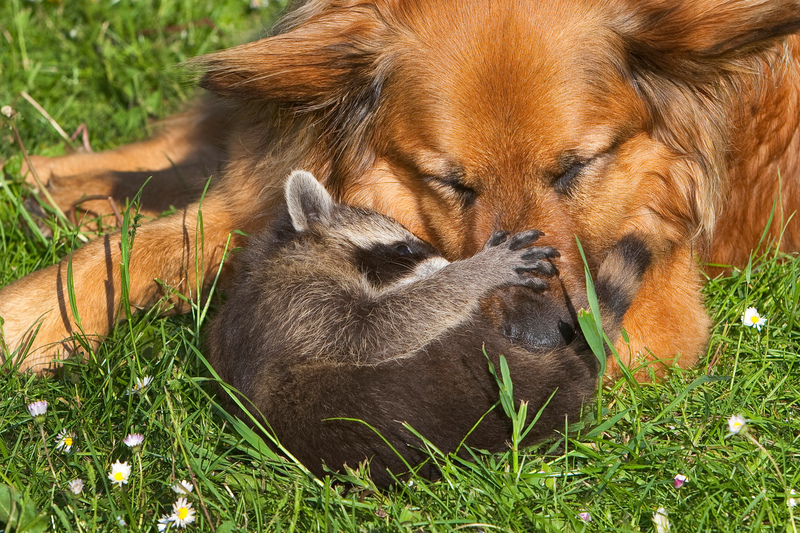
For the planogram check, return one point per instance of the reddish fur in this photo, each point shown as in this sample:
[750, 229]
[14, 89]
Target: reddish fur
[694, 104]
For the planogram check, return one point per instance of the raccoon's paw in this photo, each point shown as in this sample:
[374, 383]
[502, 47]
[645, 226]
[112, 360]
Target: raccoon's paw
[525, 261]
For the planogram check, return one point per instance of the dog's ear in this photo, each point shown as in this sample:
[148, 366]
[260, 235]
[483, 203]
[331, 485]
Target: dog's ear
[316, 62]
[690, 61]
[694, 37]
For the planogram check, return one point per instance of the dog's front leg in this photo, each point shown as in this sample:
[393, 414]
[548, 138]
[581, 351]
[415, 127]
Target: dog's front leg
[665, 328]
[174, 251]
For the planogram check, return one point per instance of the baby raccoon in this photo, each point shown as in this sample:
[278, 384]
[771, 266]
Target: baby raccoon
[340, 312]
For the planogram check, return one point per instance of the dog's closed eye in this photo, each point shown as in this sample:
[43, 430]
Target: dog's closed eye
[564, 181]
[453, 184]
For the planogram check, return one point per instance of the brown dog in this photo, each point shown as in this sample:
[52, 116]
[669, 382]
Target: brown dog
[673, 120]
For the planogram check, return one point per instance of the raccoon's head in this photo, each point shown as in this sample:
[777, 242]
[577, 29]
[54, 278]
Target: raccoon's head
[379, 247]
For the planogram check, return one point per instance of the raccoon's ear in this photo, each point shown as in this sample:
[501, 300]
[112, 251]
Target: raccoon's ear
[307, 200]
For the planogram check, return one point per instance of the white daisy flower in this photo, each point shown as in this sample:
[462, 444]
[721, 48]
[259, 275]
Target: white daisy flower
[38, 409]
[64, 441]
[182, 513]
[660, 520]
[134, 440]
[120, 473]
[141, 384]
[164, 522]
[752, 319]
[76, 486]
[183, 487]
[736, 424]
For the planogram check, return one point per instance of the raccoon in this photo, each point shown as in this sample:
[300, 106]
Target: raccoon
[341, 313]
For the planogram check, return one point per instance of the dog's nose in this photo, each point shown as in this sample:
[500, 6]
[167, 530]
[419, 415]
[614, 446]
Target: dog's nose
[534, 321]
[537, 325]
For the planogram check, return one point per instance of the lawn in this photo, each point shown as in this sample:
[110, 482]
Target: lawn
[115, 67]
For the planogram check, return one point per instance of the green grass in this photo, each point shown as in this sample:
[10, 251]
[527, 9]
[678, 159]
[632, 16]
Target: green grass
[112, 67]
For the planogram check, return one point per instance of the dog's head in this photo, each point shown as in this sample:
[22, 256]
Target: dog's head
[459, 117]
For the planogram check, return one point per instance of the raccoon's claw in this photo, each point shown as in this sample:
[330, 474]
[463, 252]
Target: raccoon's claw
[535, 284]
[540, 252]
[496, 238]
[543, 268]
[524, 238]
[516, 242]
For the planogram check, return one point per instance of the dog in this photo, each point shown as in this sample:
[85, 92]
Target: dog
[672, 120]
[339, 314]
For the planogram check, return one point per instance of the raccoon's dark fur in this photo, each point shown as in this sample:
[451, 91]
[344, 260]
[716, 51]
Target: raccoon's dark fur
[340, 312]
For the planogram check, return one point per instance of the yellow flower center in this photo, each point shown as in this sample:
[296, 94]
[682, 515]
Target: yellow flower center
[118, 476]
[182, 512]
[754, 319]
[68, 441]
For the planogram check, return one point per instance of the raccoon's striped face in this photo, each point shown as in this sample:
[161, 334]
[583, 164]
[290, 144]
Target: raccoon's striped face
[382, 250]
[402, 261]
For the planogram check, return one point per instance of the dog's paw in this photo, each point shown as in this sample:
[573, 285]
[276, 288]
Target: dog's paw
[42, 168]
[36, 330]
[38, 347]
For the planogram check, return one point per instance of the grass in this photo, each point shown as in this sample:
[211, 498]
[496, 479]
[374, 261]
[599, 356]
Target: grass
[112, 66]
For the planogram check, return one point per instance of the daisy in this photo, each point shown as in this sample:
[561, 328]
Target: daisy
[183, 487]
[163, 522]
[736, 424]
[661, 521]
[120, 472]
[182, 513]
[134, 440]
[76, 486]
[64, 441]
[140, 385]
[752, 319]
[679, 480]
[38, 409]
[791, 501]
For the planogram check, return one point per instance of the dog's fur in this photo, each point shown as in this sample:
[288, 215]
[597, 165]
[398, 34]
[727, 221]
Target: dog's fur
[339, 312]
[676, 120]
